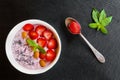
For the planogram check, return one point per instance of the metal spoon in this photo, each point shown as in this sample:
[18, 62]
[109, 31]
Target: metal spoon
[98, 55]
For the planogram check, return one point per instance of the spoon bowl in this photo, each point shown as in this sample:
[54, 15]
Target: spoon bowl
[74, 27]
[77, 27]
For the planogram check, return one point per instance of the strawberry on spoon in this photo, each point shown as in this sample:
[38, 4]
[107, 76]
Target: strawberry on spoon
[75, 28]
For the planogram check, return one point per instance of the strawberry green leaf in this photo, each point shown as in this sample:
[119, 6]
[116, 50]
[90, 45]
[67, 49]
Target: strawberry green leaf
[106, 21]
[104, 30]
[93, 25]
[102, 15]
[95, 15]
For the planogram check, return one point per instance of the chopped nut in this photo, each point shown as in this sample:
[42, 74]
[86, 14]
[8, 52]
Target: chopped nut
[24, 35]
[42, 63]
[36, 54]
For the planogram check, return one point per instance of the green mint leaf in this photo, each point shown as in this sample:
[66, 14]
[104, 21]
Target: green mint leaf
[35, 46]
[106, 21]
[104, 30]
[102, 15]
[34, 49]
[98, 28]
[96, 12]
[31, 42]
[42, 50]
[95, 15]
[93, 25]
[101, 20]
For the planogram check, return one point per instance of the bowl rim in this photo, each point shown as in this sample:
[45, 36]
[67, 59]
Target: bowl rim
[8, 50]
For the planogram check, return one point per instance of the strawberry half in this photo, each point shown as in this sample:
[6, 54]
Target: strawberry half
[47, 34]
[52, 43]
[41, 42]
[40, 29]
[50, 55]
[28, 27]
[42, 56]
[33, 35]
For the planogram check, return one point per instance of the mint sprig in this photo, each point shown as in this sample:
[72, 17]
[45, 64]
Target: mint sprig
[35, 46]
[100, 21]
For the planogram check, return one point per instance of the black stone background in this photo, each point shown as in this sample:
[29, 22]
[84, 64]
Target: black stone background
[77, 61]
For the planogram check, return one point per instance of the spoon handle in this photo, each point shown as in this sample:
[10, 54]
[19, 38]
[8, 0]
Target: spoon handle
[98, 55]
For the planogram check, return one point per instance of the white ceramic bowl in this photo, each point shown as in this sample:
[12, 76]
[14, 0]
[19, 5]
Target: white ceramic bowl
[9, 50]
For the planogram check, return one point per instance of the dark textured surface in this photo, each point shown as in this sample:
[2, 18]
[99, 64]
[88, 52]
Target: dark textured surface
[76, 61]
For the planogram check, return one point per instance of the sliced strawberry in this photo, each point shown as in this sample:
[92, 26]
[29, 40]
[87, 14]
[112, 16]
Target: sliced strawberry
[33, 35]
[52, 43]
[28, 27]
[50, 55]
[42, 56]
[40, 29]
[47, 34]
[41, 42]
[74, 27]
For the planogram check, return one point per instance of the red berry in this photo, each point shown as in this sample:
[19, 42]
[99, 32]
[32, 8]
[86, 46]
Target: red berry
[41, 42]
[28, 27]
[42, 56]
[50, 55]
[40, 29]
[47, 34]
[52, 43]
[33, 34]
[74, 27]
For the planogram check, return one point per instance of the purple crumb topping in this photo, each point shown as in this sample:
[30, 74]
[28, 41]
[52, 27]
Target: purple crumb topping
[23, 53]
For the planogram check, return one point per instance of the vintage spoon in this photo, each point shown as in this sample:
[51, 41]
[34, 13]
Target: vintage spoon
[75, 28]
